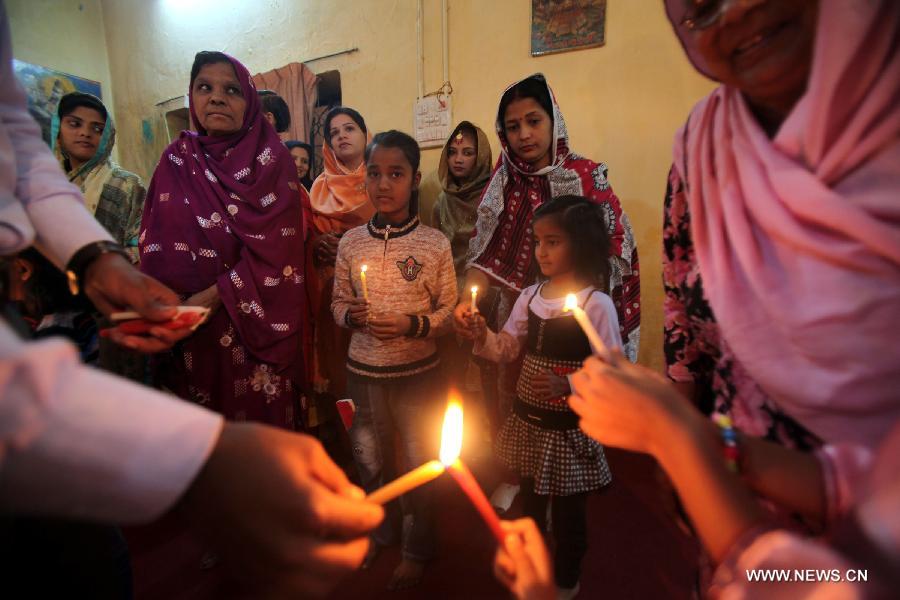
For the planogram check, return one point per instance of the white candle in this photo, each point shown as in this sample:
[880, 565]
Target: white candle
[474, 299]
[593, 337]
[362, 276]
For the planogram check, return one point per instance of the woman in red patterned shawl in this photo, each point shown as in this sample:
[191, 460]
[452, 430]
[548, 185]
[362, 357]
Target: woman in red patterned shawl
[536, 165]
[222, 227]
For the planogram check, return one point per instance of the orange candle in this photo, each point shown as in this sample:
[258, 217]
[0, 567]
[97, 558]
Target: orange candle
[451, 445]
[466, 481]
[430, 470]
[451, 442]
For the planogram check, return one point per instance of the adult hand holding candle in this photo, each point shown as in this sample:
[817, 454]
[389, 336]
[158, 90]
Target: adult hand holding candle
[588, 328]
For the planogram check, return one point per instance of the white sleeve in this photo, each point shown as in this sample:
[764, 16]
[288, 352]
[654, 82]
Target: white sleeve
[602, 313]
[30, 173]
[505, 346]
[76, 442]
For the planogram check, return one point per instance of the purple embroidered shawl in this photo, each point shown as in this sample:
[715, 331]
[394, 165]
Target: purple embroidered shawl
[226, 211]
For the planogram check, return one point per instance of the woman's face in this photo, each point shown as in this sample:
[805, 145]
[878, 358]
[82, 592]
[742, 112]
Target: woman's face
[763, 47]
[529, 131]
[461, 156]
[80, 132]
[218, 100]
[301, 161]
[347, 140]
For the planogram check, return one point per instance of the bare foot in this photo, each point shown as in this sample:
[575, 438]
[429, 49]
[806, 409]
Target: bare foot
[407, 574]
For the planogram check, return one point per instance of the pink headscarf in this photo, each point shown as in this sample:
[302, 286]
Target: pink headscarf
[798, 237]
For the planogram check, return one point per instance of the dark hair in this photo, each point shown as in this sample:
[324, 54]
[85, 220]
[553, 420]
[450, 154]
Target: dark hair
[275, 104]
[535, 87]
[397, 139]
[410, 149]
[72, 100]
[585, 224]
[291, 144]
[465, 128]
[207, 57]
[341, 110]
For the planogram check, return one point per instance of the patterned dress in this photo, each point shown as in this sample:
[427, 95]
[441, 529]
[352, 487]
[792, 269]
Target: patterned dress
[694, 347]
[225, 211]
[541, 438]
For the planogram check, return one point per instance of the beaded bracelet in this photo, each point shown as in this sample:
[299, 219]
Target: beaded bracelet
[729, 440]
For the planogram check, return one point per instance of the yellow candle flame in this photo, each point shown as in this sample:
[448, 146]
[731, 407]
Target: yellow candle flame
[364, 268]
[571, 302]
[474, 289]
[452, 431]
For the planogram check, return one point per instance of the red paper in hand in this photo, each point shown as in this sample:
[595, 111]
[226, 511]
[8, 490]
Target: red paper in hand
[142, 326]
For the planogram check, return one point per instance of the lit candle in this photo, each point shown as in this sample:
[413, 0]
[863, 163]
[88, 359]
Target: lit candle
[451, 445]
[362, 276]
[588, 327]
[474, 299]
[410, 481]
[466, 481]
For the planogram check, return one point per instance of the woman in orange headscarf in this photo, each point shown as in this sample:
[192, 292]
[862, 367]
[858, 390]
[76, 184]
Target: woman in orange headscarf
[339, 203]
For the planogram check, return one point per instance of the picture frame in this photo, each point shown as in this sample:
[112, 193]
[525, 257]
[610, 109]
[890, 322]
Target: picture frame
[564, 25]
[44, 87]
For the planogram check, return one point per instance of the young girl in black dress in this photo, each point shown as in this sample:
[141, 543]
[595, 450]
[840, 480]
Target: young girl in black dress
[541, 441]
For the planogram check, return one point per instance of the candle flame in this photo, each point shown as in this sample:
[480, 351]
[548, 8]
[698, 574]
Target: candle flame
[474, 289]
[364, 268]
[452, 431]
[571, 302]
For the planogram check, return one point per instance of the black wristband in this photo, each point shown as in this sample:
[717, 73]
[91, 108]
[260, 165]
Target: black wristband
[413, 326]
[348, 321]
[84, 257]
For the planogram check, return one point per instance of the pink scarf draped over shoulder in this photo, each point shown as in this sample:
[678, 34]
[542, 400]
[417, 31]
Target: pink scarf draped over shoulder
[798, 237]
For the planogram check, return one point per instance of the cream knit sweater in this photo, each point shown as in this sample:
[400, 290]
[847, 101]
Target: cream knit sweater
[410, 271]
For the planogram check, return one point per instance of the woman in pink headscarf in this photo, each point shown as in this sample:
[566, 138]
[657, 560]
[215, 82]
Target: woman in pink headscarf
[782, 225]
[222, 226]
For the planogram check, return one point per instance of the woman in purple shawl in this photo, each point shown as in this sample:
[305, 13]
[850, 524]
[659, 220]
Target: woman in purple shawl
[222, 227]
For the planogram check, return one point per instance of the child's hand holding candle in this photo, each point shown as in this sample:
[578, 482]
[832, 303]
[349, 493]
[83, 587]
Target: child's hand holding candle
[359, 312]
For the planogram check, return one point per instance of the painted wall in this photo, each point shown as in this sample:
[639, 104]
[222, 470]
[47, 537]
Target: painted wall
[66, 35]
[622, 102]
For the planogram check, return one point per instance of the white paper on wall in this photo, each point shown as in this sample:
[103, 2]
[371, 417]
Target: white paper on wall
[432, 120]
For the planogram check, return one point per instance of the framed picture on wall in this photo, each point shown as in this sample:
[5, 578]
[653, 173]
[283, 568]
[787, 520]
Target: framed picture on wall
[44, 87]
[561, 25]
